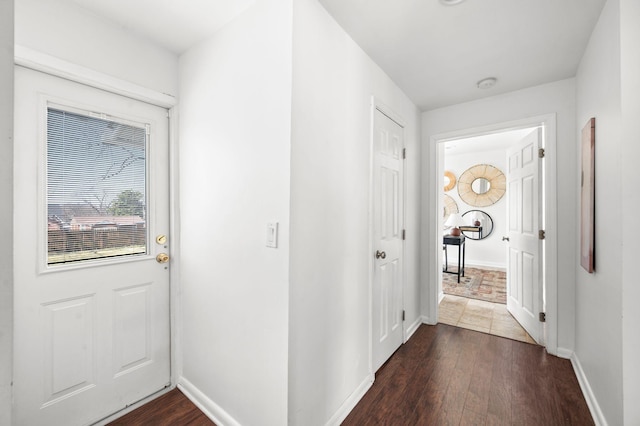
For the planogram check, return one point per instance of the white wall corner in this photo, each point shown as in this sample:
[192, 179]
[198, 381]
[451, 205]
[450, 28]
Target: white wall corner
[594, 407]
[350, 403]
[212, 410]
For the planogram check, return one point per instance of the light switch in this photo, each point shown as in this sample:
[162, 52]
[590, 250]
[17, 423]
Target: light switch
[272, 234]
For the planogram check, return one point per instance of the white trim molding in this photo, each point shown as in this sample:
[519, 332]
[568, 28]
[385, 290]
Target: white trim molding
[412, 329]
[592, 402]
[206, 405]
[48, 64]
[350, 403]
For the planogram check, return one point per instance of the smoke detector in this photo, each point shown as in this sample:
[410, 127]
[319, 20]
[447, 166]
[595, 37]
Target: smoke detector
[451, 2]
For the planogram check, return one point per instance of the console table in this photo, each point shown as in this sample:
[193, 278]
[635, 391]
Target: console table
[450, 240]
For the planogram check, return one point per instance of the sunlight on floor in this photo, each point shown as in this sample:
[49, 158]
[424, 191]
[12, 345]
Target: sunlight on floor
[478, 315]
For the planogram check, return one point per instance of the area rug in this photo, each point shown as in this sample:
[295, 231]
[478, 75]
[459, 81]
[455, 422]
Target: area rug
[483, 284]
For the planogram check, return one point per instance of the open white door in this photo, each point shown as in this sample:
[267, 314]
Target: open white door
[388, 217]
[92, 215]
[524, 284]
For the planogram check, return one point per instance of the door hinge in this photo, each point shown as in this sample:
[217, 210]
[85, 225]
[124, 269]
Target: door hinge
[541, 153]
[402, 315]
[541, 234]
[404, 153]
[404, 234]
[542, 317]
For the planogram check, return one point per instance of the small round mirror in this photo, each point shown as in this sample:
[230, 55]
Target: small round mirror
[480, 186]
[479, 225]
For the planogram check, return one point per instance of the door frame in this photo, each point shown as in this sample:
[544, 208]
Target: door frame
[42, 62]
[549, 220]
[377, 104]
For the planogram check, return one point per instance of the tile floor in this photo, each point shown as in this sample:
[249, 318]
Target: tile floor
[478, 315]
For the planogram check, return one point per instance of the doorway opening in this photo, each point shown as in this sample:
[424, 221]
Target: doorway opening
[476, 203]
[486, 249]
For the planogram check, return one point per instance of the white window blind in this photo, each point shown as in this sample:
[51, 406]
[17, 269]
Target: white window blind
[96, 187]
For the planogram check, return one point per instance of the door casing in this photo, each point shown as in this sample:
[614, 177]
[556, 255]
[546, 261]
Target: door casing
[549, 214]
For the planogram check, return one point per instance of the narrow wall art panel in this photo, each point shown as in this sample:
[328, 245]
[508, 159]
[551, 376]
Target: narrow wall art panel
[587, 196]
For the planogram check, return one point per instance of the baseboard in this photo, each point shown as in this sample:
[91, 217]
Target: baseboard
[208, 407]
[596, 412]
[564, 353]
[412, 329]
[427, 320]
[351, 402]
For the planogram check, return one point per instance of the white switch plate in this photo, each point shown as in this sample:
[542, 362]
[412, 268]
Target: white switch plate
[272, 234]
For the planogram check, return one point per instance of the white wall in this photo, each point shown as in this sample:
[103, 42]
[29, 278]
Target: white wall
[555, 98]
[599, 295]
[73, 34]
[630, 96]
[489, 252]
[329, 327]
[235, 124]
[6, 208]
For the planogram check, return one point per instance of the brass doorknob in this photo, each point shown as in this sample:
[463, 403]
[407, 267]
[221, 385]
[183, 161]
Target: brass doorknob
[162, 258]
[380, 254]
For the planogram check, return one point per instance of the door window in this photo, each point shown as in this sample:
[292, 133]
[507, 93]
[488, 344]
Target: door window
[96, 186]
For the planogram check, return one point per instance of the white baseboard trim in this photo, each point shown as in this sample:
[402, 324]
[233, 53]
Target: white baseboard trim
[427, 320]
[564, 353]
[596, 412]
[482, 265]
[351, 402]
[440, 296]
[412, 329]
[208, 407]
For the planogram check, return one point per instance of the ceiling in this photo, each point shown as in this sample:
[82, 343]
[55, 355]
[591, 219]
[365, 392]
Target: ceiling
[435, 53]
[438, 53]
[174, 24]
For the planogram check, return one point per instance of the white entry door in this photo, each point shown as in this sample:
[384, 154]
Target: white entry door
[524, 285]
[388, 216]
[91, 321]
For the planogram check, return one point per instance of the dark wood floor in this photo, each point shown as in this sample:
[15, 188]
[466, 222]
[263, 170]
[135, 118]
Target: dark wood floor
[446, 375]
[172, 408]
[443, 375]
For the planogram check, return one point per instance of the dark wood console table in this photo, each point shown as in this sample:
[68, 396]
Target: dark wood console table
[450, 240]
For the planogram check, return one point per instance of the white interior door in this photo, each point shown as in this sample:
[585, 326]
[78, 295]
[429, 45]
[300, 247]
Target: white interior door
[524, 284]
[388, 216]
[91, 300]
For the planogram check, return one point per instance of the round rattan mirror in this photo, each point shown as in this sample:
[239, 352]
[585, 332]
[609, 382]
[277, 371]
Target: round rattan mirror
[482, 185]
[450, 207]
[449, 181]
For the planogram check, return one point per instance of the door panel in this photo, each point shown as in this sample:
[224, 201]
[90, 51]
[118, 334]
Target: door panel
[524, 289]
[388, 217]
[91, 312]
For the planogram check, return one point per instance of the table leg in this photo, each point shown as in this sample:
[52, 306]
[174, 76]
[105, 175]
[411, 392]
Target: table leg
[464, 250]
